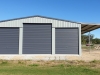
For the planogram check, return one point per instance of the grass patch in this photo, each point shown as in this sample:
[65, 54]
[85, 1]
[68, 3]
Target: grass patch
[34, 65]
[20, 62]
[88, 47]
[95, 61]
[49, 68]
[4, 62]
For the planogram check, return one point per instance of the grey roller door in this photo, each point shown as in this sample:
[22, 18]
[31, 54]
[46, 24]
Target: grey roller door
[9, 40]
[36, 39]
[67, 41]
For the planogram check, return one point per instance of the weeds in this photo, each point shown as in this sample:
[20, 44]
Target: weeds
[34, 65]
[95, 61]
[4, 62]
[61, 65]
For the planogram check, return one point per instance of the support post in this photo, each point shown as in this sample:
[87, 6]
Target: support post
[89, 43]
[53, 41]
[20, 40]
[80, 49]
[89, 38]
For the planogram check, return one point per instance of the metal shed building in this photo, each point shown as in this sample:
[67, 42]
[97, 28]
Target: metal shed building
[39, 35]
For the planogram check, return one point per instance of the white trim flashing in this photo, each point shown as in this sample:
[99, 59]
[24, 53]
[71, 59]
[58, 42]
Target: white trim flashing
[20, 40]
[53, 41]
[80, 50]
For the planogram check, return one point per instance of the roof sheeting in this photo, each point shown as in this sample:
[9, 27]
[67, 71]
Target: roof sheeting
[87, 27]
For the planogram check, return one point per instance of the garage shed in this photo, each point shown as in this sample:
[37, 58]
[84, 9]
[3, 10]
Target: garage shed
[40, 35]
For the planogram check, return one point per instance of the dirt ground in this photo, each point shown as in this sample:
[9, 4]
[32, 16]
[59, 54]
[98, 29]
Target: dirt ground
[86, 55]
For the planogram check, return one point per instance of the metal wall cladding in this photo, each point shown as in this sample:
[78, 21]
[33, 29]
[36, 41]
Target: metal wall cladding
[37, 39]
[9, 40]
[66, 41]
[55, 23]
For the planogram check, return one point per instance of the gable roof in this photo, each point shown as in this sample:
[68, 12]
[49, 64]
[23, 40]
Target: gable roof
[84, 26]
[41, 17]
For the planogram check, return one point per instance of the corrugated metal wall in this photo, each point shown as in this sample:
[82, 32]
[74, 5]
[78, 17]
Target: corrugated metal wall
[55, 23]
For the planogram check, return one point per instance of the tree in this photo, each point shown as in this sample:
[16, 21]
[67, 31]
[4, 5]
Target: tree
[85, 39]
[96, 41]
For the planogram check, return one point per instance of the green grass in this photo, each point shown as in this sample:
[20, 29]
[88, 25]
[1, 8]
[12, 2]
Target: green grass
[88, 47]
[53, 68]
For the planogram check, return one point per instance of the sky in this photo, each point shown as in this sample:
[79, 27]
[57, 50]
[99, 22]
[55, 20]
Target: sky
[85, 11]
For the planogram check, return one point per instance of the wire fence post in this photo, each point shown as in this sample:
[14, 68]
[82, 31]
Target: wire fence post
[89, 43]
